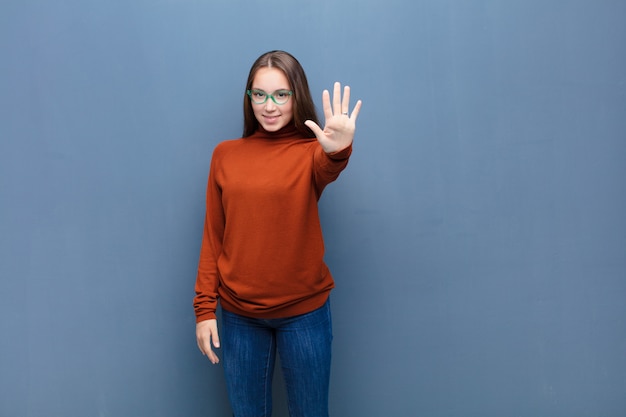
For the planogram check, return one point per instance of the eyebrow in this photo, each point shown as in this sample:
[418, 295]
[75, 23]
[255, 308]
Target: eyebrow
[260, 89]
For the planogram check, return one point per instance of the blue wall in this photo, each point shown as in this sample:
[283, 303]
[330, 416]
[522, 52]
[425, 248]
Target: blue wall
[478, 237]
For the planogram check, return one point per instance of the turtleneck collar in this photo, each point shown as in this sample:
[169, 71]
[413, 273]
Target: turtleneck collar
[286, 132]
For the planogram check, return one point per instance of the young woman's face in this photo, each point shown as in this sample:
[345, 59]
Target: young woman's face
[270, 115]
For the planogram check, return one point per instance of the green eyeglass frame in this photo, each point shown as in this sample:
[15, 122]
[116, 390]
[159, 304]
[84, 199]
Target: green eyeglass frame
[255, 100]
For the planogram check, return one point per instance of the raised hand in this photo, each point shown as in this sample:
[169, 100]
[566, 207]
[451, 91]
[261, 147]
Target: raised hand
[338, 132]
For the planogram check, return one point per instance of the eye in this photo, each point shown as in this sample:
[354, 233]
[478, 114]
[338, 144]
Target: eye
[258, 94]
[282, 94]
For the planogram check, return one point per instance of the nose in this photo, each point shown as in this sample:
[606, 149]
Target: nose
[270, 105]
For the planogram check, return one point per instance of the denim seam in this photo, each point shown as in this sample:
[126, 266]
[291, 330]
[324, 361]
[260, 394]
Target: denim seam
[267, 382]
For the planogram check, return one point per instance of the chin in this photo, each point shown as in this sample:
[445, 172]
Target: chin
[272, 127]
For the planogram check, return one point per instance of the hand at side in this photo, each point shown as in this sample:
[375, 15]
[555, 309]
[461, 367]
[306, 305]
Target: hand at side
[206, 333]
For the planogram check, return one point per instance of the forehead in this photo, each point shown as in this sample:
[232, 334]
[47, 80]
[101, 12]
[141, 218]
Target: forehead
[270, 79]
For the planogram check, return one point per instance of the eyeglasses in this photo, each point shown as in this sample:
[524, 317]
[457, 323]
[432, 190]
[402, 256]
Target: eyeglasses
[279, 97]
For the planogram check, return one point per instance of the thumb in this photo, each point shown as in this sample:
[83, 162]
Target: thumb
[314, 128]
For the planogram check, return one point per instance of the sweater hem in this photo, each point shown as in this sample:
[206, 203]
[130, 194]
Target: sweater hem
[302, 307]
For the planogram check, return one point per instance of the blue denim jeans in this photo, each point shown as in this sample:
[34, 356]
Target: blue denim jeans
[249, 349]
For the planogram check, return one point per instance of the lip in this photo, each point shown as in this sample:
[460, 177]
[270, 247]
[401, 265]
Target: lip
[271, 119]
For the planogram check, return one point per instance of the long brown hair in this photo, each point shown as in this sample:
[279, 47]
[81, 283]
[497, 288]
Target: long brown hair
[303, 107]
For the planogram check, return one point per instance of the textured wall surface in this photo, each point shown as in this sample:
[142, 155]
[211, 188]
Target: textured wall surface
[477, 238]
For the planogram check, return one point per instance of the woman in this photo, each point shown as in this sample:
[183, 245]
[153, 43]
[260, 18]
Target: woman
[262, 249]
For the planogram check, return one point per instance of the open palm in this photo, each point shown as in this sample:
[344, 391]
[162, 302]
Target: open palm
[338, 131]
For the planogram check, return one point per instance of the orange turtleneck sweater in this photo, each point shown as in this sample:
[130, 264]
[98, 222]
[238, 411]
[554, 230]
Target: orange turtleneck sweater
[262, 249]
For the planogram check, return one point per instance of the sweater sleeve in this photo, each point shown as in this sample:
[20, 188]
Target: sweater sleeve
[207, 280]
[328, 166]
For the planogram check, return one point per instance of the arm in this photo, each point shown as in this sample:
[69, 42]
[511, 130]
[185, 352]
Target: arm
[328, 166]
[207, 280]
[336, 137]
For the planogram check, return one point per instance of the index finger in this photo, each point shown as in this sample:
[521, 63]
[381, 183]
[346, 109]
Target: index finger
[328, 112]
